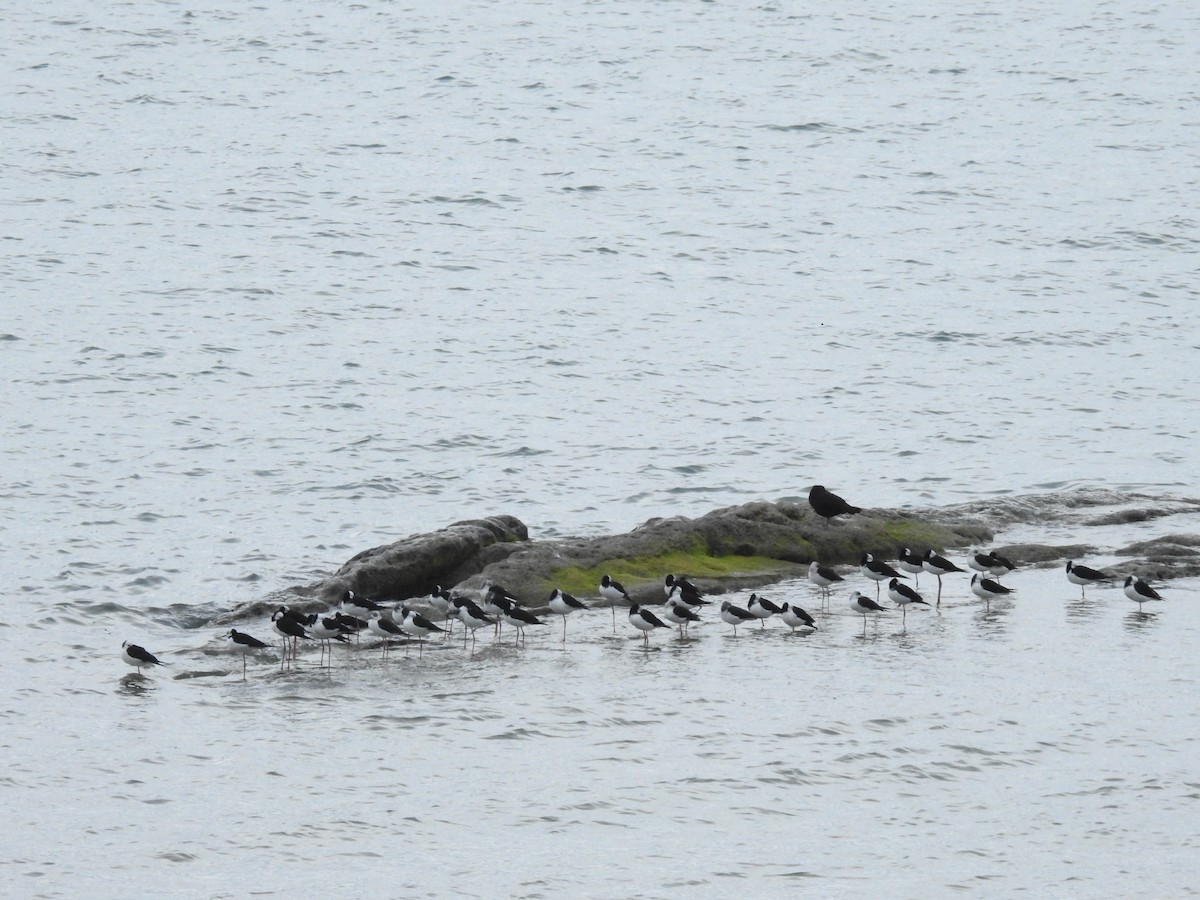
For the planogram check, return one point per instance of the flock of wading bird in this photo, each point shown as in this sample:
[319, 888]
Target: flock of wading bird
[396, 621]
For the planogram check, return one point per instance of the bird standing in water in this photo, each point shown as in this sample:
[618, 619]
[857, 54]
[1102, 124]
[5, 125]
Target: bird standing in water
[614, 593]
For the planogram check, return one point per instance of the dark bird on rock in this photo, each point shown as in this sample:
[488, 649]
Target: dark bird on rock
[828, 504]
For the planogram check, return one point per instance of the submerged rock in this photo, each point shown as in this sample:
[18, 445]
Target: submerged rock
[1170, 556]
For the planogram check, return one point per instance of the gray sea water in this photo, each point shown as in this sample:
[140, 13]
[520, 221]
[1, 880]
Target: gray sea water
[287, 281]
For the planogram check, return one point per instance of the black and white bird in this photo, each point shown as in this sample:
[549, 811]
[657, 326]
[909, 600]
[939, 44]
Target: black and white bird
[991, 563]
[902, 595]
[518, 617]
[331, 628]
[139, 657]
[988, 590]
[1083, 576]
[983, 562]
[614, 593]
[1002, 565]
[289, 625]
[416, 625]
[735, 616]
[245, 643]
[350, 624]
[795, 617]
[827, 504]
[864, 606]
[564, 604]
[1139, 592]
[490, 602]
[440, 602]
[822, 577]
[678, 595]
[495, 600]
[939, 566]
[326, 630]
[877, 570]
[473, 617]
[912, 563]
[386, 628]
[762, 609]
[684, 589]
[679, 613]
[491, 590]
[359, 607]
[645, 621]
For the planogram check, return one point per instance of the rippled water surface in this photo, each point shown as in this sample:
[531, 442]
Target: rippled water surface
[282, 284]
[1047, 747]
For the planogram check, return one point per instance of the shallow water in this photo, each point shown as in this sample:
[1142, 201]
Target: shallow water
[280, 288]
[1047, 746]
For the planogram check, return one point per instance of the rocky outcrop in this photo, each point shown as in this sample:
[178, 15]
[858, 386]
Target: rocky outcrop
[739, 546]
[732, 548]
[752, 544]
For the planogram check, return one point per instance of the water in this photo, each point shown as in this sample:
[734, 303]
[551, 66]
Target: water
[1043, 747]
[284, 287]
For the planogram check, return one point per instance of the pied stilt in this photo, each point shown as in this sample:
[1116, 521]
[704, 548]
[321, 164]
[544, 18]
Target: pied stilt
[645, 621]
[762, 609]
[245, 643]
[139, 657]
[1083, 576]
[795, 617]
[864, 606]
[988, 590]
[902, 595]
[939, 566]
[735, 615]
[614, 593]
[877, 570]
[1139, 592]
[564, 604]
